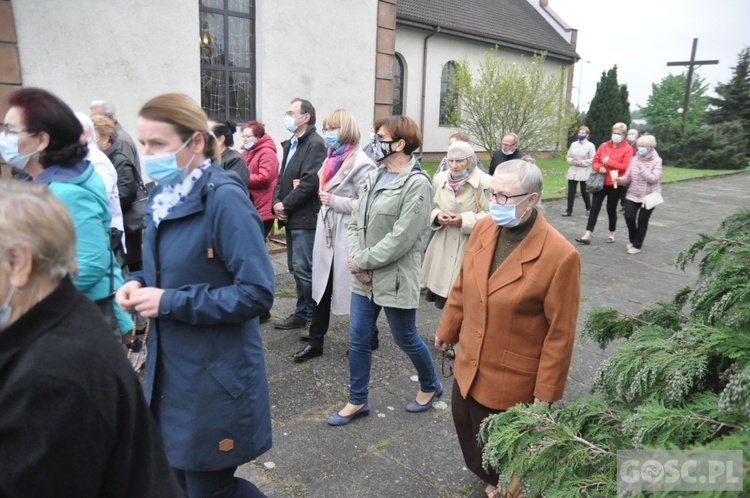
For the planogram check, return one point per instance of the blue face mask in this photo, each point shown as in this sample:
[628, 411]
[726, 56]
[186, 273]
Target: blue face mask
[332, 139]
[163, 168]
[9, 151]
[581, 137]
[248, 145]
[616, 138]
[289, 123]
[505, 216]
[372, 137]
[642, 151]
[6, 310]
[463, 175]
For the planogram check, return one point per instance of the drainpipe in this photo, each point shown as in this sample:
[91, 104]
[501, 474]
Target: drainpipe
[424, 80]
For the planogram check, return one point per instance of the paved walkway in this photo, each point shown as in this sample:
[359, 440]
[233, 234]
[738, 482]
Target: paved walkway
[393, 453]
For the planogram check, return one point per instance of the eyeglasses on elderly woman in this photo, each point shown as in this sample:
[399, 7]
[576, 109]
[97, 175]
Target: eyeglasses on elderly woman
[501, 199]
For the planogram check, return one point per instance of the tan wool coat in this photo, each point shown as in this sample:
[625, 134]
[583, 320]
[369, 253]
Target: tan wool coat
[446, 250]
[515, 330]
[331, 231]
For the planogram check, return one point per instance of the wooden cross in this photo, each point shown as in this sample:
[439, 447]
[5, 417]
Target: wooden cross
[691, 65]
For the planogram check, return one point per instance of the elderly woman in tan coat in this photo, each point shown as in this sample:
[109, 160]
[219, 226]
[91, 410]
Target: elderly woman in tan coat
[459, 204]
[512, 310]
[341, 176]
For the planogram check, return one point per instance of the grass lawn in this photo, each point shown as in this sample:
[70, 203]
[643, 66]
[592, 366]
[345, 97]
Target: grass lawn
[556, 182]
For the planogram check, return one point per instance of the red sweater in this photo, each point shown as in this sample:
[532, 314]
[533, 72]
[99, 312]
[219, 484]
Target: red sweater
[619, 158]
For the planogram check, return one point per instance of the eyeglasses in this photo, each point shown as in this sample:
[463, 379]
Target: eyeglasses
[501, 199]
[450, 353]
[507, 146]
[248, 137]
[6, 129]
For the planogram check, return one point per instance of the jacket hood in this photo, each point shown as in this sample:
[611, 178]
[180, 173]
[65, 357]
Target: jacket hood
[63, 174]
[264, 142]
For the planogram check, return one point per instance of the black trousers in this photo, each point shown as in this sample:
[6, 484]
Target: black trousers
[267, 225]
[572, 195]
[321, 316]
[613, 198]
[468, 415]
[636, 217]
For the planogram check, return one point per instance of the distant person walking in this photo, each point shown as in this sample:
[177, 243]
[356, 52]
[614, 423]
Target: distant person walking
[644, 177]
[612, 160]
[580, 156]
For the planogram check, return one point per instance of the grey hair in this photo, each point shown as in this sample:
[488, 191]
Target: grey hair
[515, 137]
[529, 174]
[88, 126]
[109, 108]
[32, 216]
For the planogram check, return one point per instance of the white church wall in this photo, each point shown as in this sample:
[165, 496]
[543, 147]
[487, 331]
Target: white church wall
[440, 49]
[125, 52]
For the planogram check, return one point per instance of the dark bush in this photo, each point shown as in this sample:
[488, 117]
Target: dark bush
[719, 146]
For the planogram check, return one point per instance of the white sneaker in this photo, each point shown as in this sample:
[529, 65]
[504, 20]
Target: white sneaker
[633, 250]
[630, 244]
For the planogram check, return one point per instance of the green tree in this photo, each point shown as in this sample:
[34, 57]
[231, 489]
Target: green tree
[669, 95]
[677, 380]
[733, 103]
[521, 97]
[625, 99]
[607, 107]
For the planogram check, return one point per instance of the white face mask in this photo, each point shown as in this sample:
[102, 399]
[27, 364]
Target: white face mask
[289, 124]
[6, 310]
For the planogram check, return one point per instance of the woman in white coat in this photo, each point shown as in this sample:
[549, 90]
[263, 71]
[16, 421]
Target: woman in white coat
[459, 202]
[580, 156]
[341, 177]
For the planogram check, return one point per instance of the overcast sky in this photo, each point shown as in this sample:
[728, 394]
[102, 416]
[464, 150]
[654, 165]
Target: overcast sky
[641, 36]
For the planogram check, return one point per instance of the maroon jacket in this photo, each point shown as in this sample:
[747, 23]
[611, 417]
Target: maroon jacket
[263, 166]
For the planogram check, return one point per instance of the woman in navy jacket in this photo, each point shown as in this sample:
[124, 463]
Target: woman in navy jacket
[206, 279]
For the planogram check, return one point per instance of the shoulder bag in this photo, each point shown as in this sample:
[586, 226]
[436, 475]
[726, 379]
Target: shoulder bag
[133, 218]
[595, 183]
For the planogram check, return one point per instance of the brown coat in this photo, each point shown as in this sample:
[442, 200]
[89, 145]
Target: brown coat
[516, 330]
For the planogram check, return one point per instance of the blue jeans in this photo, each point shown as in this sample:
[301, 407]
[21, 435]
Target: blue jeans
[403, 323]
[299, 251]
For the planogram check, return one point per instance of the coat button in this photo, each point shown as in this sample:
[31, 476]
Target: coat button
[226, 445]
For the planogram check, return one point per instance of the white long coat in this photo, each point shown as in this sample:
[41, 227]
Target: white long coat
[331, 231]
[446, 250]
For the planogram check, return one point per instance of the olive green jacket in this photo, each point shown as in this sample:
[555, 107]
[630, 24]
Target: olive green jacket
[385, 236]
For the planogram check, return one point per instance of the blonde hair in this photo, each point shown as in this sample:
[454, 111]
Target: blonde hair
[105, 127]
[185, 115]
[620, 127]
[32, 216]
[646, 141]
[347, 125]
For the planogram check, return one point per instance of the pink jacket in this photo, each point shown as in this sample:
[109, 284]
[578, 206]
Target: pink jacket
[643, 175]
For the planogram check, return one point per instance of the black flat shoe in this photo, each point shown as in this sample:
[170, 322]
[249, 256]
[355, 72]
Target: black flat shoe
[567, 214]
[307, 353]
[586, 242]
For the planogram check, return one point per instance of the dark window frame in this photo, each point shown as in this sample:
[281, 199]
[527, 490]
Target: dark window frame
[399, 77]
[448, 94]
[250, 111]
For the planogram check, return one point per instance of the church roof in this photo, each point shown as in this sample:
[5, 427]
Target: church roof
[513, 23]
